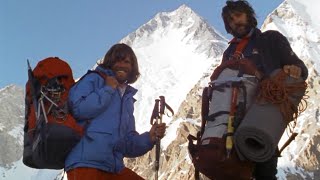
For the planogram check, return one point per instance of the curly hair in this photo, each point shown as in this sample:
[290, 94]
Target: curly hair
[238, 6]
[119, 52]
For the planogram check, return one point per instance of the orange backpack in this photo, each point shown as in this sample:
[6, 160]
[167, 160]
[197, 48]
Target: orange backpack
[50, 131]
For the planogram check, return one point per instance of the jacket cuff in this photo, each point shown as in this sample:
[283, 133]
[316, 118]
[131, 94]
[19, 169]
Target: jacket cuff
[148, 141]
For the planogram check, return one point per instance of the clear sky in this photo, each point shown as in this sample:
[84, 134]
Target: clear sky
[81, 31]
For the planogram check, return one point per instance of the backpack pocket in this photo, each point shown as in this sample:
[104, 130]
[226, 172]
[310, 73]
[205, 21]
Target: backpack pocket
[52, 145]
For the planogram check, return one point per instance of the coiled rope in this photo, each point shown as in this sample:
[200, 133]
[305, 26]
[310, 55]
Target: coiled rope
[277, 91]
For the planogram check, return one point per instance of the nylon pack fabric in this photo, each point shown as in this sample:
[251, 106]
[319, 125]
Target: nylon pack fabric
[50, 130]
[217, 126]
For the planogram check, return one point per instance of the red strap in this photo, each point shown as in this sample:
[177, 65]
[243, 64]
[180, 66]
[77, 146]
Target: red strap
[240, 46]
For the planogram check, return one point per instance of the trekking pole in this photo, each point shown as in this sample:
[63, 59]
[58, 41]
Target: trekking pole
[156, 118]
[230, 128]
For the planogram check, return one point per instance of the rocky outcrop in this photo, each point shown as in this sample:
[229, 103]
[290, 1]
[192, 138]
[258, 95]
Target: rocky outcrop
[11, 124]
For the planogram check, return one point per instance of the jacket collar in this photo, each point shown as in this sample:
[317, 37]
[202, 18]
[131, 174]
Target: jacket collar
[254, 32]
[130, 90]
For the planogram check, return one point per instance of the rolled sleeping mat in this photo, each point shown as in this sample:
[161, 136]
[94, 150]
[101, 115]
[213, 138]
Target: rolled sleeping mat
[257, 137]
[260, 131]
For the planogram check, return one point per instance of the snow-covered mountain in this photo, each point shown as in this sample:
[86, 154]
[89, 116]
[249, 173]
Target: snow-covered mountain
[299, 21]
[176, 52]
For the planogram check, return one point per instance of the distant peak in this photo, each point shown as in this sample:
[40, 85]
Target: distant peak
[184, 9]
[183, 18]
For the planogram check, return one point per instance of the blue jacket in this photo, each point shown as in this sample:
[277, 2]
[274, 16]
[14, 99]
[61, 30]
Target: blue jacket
[110, 134]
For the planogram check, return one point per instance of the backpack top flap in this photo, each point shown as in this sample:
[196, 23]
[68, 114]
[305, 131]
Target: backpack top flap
[46, 70]
[52, 67]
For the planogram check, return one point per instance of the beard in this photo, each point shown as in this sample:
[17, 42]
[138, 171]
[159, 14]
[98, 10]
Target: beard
[121, 77]
[121, 80]
[241, 31]
[121, 74]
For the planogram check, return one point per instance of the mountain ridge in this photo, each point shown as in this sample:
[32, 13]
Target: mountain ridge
[181, 49]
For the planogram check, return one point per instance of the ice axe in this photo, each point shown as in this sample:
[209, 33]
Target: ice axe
[230, 127]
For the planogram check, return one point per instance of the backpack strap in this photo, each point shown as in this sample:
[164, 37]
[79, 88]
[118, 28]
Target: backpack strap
[206, 94]
[92, 71]
[87, 122]
[240, 47]
[192, 150]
